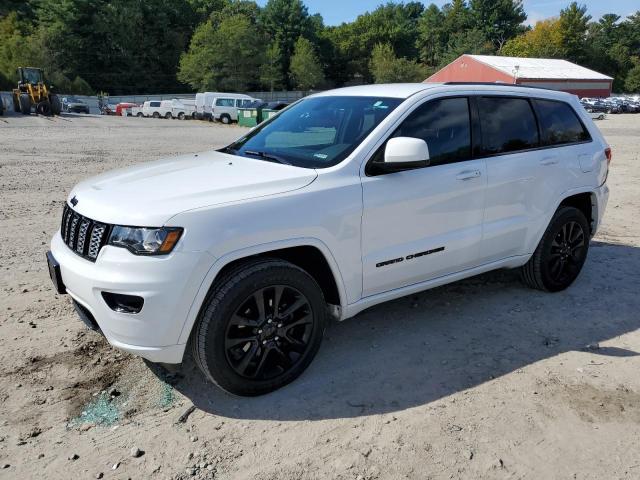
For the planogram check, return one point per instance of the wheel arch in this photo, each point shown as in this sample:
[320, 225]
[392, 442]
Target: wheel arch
[584, 199]
[587, 203]
[310, 254]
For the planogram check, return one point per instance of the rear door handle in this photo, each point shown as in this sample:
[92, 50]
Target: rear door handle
[549, 161]
[469, 174]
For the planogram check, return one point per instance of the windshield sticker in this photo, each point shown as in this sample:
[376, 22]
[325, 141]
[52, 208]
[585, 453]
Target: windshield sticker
[381, 105]
[323, 156]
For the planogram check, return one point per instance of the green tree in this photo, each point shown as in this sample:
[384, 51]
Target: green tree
[284, 21]
[271, 70]
[632, 82]
[498, 20]
[225, 57]
[574, 23]
[393, 23]
[306, 71]
[467, 42]
[386, 67]
[545, 40]
[432, 35]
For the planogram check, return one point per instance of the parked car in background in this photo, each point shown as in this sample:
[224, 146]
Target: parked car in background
[157, 108]
[225, 106]
[182, 109]
[121, 108]
[166, 109]
[74, 105]
[203, 104]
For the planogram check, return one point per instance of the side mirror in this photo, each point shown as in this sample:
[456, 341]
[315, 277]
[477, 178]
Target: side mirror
[405, 153]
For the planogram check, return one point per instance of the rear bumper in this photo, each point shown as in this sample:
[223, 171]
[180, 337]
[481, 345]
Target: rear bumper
[167, 284]
[602, 198]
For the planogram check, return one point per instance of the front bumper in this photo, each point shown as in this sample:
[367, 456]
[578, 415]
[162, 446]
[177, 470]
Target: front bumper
[167, 284]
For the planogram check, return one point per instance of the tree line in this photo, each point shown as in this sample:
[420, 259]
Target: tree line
[152, 46]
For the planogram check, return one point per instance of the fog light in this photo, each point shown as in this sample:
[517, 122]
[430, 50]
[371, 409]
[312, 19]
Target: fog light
[123, 303]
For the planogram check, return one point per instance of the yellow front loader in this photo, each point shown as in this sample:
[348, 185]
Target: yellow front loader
[33, 92]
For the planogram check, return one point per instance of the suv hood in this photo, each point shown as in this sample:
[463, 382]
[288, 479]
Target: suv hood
[152, 193]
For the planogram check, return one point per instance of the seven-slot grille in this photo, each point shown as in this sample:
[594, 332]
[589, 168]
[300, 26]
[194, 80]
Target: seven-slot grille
[83, 235]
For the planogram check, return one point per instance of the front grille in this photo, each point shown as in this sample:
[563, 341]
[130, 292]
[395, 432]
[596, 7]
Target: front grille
[82, 235]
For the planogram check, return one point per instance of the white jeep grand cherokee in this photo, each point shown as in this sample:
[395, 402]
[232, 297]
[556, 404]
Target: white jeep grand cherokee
[344, 200]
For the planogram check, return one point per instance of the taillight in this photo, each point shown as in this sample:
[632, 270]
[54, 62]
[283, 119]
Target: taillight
[607, 153]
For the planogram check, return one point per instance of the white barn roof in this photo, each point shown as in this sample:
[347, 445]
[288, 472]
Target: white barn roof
[540, 68]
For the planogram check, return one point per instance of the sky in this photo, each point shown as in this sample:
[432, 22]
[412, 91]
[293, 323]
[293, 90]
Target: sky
[335, 12]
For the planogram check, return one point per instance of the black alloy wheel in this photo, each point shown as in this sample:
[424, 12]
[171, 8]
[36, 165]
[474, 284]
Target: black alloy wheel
[269, 333]
[567, 252]
[260, 326]
[561, 253]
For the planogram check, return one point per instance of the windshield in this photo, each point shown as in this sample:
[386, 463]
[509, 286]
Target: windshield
[317, 132]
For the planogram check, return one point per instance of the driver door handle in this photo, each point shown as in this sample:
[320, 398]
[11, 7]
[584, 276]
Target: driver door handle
[468, 174]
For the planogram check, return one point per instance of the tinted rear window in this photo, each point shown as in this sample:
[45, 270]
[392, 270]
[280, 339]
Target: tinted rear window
[508, 125]
[559, 123]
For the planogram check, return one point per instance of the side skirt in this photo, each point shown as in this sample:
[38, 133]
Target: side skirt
[366, 302]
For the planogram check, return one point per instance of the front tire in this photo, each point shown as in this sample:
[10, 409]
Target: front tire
[560, 255]
[25, 104]
[260, 327]
[225, 119]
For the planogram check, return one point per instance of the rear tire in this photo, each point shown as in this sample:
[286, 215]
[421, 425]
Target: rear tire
[140, 115]
[248, 349]
[181, 116]
[155, 115]
[168, 115]
[25, 104]
[560, 255]
[56, 105]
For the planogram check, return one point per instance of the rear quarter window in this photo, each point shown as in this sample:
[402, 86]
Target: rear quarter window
[508, 125]
[559, 123]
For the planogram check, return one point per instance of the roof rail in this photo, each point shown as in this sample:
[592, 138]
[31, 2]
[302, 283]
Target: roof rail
[498, 84]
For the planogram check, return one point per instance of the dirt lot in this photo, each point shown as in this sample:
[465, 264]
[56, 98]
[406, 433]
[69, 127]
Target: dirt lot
[480, 379]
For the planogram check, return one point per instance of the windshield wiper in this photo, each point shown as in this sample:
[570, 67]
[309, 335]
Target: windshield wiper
[267, 156]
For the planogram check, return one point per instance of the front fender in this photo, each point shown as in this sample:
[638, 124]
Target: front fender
[230, 257]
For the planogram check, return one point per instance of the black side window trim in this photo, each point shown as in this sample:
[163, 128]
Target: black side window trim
[477, 150]
[371, 171]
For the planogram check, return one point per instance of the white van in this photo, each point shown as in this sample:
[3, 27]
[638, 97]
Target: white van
[204, 101]
[225, 106]
[165, 109]
[157, 108]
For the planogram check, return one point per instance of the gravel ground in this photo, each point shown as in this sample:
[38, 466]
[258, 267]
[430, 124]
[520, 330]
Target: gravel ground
[479, 379]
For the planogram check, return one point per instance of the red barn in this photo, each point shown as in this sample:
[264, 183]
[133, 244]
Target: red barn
[536, 72]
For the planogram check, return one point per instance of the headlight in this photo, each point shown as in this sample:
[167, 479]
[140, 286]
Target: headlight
[145, 241]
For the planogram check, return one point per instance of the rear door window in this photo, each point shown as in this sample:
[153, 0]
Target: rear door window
[508, 125]
[154, 104]
[559, 123]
